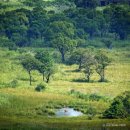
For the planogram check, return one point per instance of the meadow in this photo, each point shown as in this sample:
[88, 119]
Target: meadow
[21, 107]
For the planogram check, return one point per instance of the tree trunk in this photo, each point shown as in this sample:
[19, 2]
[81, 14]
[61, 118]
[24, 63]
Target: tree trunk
[43, 76]
[48, 78]
[30, 77]
[102, 76]
[88, 78]
[62, 56]
[80, 64]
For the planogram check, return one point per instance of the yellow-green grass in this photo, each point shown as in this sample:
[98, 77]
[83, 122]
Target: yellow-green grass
[24, 101]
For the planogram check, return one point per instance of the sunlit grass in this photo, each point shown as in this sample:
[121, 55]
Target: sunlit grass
[24, 100]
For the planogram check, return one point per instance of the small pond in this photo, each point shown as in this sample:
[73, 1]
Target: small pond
[68, 112]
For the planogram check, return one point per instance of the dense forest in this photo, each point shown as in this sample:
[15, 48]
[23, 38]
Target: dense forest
[64, 54]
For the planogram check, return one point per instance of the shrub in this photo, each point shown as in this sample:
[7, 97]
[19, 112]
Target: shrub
[13, 83]
[91, 111]
[120, 107]
[95, 97]
[41, 87]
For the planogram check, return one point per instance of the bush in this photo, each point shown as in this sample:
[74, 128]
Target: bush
[40, 87]
[13, 83]
[120, 107]
[95, 97]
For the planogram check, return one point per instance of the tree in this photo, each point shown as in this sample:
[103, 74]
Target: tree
[49, 72]
[61, 36]
[88, 63]
[63, 44]
[102, 61]
[46, 62]
[30, 64]
[120, 20]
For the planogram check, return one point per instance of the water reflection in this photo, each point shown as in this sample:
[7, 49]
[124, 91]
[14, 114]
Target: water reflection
[68, 112]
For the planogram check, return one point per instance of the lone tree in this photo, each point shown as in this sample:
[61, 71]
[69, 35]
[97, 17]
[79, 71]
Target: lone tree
[102, 61]
[30, 63]
[88, 66]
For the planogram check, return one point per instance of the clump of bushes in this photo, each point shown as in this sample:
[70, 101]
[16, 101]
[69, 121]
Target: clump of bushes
[40, 87]
[92, 97]
[119, 108]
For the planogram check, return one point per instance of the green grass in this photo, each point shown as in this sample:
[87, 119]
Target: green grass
[22, 105]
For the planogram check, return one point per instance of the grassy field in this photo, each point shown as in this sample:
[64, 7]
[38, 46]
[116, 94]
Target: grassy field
[21, 107]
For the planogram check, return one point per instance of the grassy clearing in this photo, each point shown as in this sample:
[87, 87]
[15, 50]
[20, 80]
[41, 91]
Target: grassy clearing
[20, 100]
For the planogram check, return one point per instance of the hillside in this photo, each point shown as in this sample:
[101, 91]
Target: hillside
[64, 65]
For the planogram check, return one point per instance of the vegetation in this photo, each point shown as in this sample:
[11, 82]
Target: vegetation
[119, 107]
[74, 54]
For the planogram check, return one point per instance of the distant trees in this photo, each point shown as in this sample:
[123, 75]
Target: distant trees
[66, 29]
[120, 20]
[88, 62]
[61, 34]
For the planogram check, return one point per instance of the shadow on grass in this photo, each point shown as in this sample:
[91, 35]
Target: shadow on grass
[86, 81]
[76, 70]
[80, 80]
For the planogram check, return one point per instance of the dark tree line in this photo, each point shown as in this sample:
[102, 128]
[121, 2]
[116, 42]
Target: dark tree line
[65, 30]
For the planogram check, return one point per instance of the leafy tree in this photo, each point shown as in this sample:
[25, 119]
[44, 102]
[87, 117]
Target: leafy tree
[91, 27]
[102, 62]
[46, 62]
[50, 71]
[15, 26]
[30, 64]
[60, 34]
[76, 57]
[63, 44]
[88, 63]
[38, 21]
[116, 110]
[120, 20]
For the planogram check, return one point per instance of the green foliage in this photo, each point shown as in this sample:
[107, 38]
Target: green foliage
[91, 111]
[30, 63]
[88, 65]
[13, 84]
[119, 107]
[102, 62]
[88, 97]
[86, 3]
[40, 87]
[46, 67]
[120, 21]
[61, 33]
